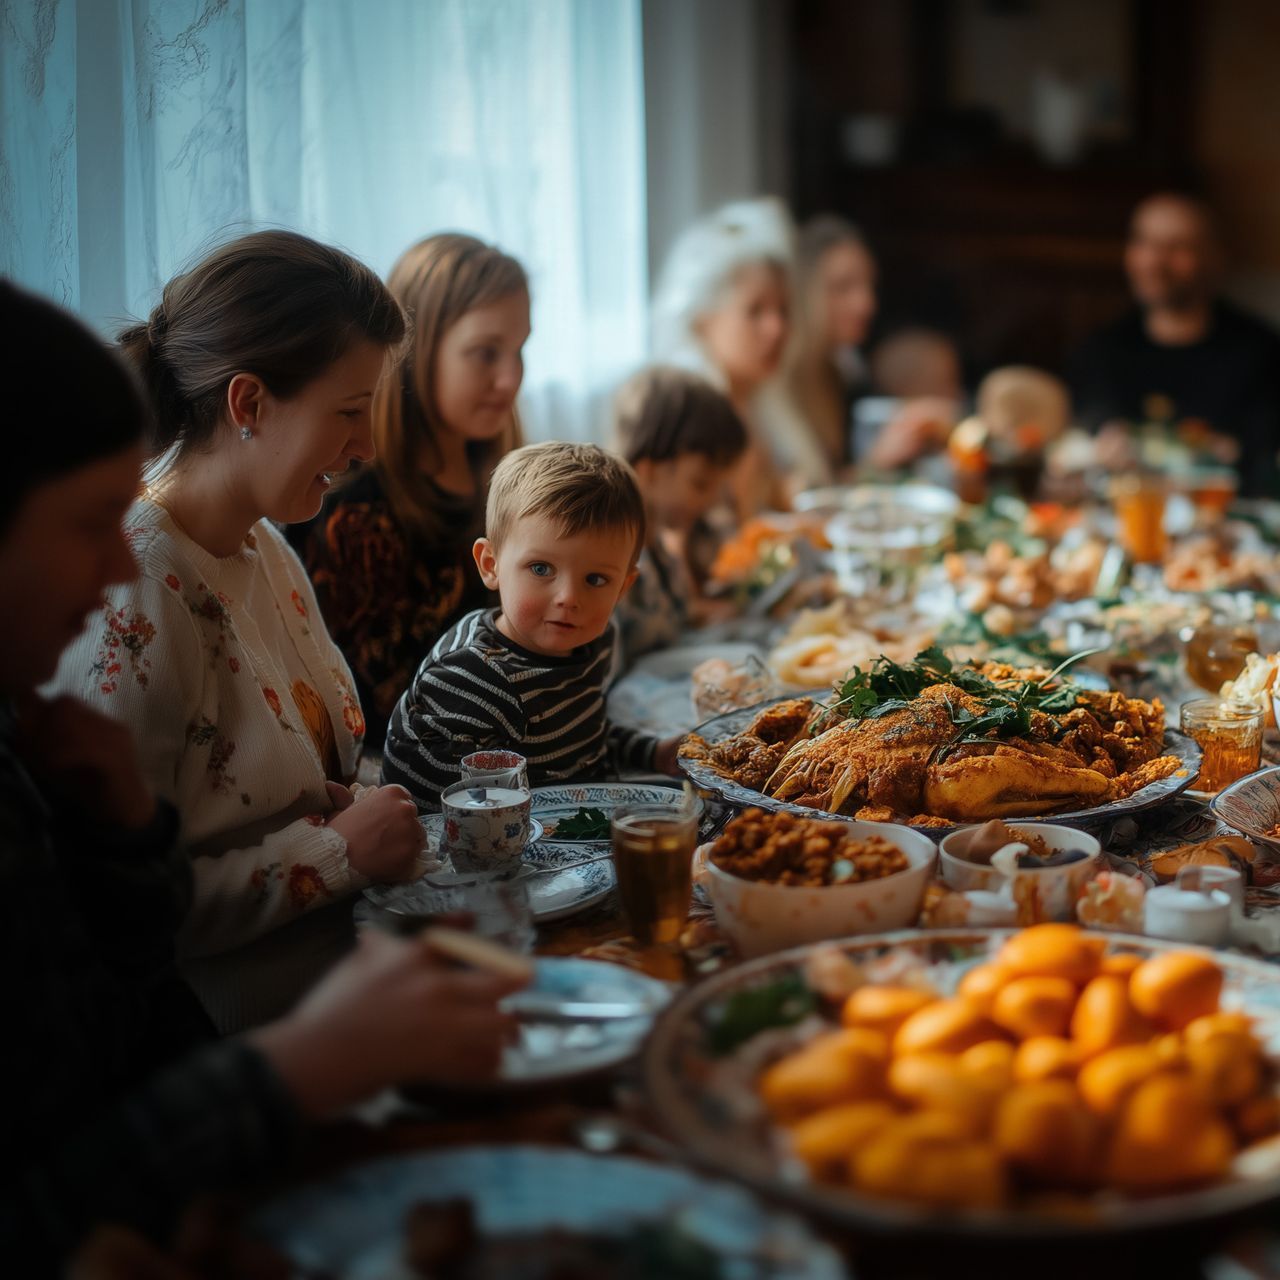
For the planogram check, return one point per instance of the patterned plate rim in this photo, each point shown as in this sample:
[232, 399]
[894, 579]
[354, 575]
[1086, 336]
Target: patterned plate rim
[1219, 804]
[617, 793]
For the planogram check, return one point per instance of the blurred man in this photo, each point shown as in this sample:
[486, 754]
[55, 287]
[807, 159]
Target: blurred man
[1184, 355]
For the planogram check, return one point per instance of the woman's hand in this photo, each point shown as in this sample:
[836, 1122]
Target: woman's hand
[919, 427]
[84, 759]
[383, 834]
[393, 1011]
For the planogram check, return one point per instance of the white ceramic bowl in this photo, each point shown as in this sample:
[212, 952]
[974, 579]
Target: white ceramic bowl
[1042, 893]
[760, 918]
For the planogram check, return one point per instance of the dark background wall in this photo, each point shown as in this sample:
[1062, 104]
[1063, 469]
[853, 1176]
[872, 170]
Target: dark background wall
[992, 149]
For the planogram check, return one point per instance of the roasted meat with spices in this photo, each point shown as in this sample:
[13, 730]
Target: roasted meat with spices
[751, 756]
[947, 754]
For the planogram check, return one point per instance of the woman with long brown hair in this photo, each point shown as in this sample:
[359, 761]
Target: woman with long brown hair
[390, 553]
[260, 364]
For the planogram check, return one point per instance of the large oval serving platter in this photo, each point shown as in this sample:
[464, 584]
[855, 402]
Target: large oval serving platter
[705, 778]
[351, 1226]
[711, 1110]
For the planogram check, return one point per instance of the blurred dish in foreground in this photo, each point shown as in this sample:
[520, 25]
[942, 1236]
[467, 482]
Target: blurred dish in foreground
[533, 1211]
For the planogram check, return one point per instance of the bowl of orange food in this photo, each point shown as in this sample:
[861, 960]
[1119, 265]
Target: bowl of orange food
[777, 880]
[963, 1087]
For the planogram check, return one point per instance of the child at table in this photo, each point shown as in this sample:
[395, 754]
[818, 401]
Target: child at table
[683, 438]
[564, 527]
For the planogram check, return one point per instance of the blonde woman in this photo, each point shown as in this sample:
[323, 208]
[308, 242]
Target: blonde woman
[390, 553]
[837, 289]
[723, 308]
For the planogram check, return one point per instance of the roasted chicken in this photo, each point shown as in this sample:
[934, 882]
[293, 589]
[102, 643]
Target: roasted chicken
[916, 763]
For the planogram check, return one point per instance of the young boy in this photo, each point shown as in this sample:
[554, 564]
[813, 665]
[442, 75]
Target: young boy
[565, 524]
[682, 438]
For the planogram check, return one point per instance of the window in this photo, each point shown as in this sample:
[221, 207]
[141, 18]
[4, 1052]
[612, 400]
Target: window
[137, 134]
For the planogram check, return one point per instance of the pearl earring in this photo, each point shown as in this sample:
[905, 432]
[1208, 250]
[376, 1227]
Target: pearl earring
[246, 433]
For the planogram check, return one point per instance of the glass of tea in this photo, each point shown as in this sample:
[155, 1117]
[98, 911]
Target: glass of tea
[497, 768]
[1139, 502]
[1216, 651]
[653, 857]
[1229, 735]
[1212, 490]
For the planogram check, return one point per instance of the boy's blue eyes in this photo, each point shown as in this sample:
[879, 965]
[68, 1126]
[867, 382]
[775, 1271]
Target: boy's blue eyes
[541, 569]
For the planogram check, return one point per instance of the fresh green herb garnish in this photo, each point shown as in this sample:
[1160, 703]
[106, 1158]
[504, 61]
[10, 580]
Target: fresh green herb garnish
[886, 686]
[586, 824]
[747, 1013]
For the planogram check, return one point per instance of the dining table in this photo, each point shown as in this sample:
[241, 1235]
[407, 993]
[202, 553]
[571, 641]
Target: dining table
[610, 1111]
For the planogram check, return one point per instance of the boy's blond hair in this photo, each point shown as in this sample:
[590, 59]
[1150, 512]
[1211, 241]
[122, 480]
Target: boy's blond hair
[580, 486]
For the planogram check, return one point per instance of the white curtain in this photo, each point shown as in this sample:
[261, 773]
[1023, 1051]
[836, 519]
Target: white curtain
[136, 133]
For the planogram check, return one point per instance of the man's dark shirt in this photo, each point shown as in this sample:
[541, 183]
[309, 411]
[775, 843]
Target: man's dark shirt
[1230, 380]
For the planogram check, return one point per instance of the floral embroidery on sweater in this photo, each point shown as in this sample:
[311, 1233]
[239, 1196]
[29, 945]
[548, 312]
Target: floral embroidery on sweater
[213, 607]
[261, 879]
[305, 885]
[201, 733]
[220, 776]
[126, 637]
[205, 733]
[352, 716]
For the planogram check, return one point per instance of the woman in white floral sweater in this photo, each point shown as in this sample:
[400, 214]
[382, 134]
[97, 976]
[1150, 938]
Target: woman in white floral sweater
[261, 363]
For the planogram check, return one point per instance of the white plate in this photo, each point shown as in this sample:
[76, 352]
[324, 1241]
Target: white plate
[547, 1053]
[553, 896]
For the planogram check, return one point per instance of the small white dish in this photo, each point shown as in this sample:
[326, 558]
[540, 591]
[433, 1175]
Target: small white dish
[1041, 893]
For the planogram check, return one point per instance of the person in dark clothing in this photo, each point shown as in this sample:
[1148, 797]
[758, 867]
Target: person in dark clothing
[124, 1106]
[1184, 356]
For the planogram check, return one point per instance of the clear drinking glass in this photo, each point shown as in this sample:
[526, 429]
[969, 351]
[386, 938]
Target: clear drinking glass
[497, 768]
[653, 857]
[1139, 502]
[1229, 736]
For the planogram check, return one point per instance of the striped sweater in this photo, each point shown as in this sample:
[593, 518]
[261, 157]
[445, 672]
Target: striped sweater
[477, 690]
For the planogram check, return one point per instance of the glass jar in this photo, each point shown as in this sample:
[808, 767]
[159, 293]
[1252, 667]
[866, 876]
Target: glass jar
[1229, 736]
[1216, 651]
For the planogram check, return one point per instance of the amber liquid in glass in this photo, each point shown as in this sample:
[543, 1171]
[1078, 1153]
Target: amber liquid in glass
[653, 859]
[1226, 755]
[1217, 653]
[1140, 512]
[1213, 497]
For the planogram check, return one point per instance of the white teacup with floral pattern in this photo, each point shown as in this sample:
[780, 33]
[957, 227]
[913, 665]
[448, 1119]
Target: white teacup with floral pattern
[486, 827]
